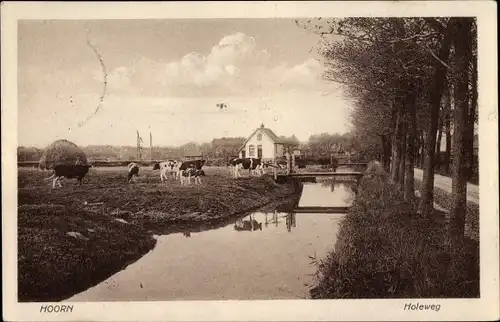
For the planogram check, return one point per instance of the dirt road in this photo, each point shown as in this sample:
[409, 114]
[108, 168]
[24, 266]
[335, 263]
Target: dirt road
[444, 183]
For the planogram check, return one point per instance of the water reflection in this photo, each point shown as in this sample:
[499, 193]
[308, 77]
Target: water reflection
[327, 192]
[330, 185]
[226, 264]
[197, 269]
[276, 218]
[291, 221]
[249, 224]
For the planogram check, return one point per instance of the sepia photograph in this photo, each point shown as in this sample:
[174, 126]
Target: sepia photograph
[215, 159]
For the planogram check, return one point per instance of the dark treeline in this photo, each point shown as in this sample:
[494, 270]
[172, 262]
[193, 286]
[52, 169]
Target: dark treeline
[221, 148]
[414, 84]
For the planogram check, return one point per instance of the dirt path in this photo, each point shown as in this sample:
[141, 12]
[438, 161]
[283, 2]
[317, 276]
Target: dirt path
[444, 183]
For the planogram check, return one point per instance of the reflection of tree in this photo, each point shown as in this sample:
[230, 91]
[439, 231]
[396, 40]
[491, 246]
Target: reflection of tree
[249, 225]
[274, 219]
[331, 184]
[290, 221]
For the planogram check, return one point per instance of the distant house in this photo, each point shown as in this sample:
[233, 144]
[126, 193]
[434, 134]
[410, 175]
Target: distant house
[263, 144]
[192, 154]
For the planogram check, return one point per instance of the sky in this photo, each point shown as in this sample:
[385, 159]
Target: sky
[167, 77]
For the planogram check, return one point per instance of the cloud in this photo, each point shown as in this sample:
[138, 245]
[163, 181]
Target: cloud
[233, 66]
[304, 75]
[118, 78]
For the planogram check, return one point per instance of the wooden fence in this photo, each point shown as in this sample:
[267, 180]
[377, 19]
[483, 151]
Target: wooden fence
[119, 163]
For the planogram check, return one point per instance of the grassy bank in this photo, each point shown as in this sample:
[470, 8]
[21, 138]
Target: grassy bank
[73, 237]
[385, 249]
[62, 252]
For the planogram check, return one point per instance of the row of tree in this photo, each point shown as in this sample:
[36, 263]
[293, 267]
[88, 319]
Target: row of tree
[412, 81]
[220, 148]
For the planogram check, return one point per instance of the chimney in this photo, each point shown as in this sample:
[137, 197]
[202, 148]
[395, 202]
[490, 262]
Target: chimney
[262, 125]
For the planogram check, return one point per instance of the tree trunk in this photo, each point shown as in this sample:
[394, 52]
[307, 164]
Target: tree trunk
[386, 152]
[422, 150]
[459, 180]
[396, 145]
[447, 129]
[416, 147]
[471, 119]
[402, 160]
[427, 199]
[438, 140]
[409, 184]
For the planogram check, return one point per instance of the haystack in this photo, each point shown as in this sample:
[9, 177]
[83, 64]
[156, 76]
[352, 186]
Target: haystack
[61, 152]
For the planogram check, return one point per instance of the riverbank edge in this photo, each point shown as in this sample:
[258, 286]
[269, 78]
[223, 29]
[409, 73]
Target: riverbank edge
[131, 240]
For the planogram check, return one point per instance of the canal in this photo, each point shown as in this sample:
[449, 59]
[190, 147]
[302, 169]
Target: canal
[260, 256]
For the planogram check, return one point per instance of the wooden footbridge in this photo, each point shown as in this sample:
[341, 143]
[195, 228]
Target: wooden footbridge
[322, 174]
[319, 210]
[290, 173]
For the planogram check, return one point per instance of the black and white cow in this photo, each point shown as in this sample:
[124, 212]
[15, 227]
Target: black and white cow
[189, 173]
[251, 164]
[166, 167]
[133, 171]
[191, 169]
[68, 171]
[197, 164]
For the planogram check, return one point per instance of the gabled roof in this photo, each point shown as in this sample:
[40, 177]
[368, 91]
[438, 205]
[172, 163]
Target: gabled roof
[271, 135]
[267, 132]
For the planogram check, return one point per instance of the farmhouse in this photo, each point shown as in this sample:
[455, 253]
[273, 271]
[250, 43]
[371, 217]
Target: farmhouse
[192, 154]
[263, 144]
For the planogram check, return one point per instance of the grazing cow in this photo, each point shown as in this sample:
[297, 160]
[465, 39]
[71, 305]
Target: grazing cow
[133, 171]
[170, 166]
[281, 164]
[68, 171]
[198, 164]
[191, 172]
[191, 169]
[251, 164]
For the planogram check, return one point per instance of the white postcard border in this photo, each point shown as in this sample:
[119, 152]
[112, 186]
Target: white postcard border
[486, 307]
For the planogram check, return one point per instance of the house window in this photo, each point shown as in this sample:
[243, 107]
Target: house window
[251, 150]
[259, 137]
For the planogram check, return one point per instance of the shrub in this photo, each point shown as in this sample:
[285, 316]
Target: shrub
[385, 249]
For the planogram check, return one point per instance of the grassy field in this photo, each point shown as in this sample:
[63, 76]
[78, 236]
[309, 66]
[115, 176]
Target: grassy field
[73, 237]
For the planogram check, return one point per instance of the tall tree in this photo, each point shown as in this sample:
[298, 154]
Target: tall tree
[436, 89]
[447, 128]
[409, 182]
[472, 115]
[463, 55]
